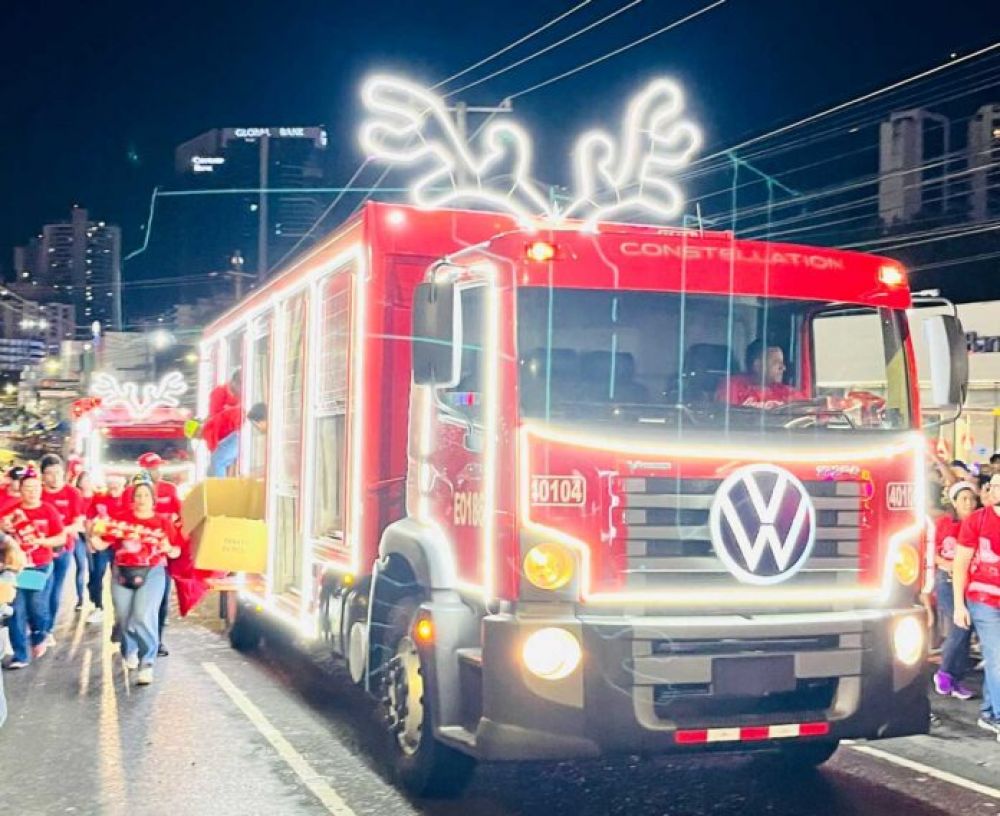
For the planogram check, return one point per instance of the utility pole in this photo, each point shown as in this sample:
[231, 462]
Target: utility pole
[262, 217]
[236, 272]
[461, 112]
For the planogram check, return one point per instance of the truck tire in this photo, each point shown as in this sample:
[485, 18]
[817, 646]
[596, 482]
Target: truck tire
[424, 766]
[244, 631]
[807, 754]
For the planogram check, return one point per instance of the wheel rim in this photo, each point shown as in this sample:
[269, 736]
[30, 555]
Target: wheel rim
[405, 697]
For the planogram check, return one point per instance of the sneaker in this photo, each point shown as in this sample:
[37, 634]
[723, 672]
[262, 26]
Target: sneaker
[961, 692]
[943, 684]
[145, 676]
[49, 640]
[79, 606]
[132, 662]
[17, 664]
[161, 651]
[990, 724]
[39, 650]
[97, 616]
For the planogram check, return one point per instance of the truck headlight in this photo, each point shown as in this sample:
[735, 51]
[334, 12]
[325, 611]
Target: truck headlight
[908, 641]
[549, 566]
[907, 565]
[551, 653]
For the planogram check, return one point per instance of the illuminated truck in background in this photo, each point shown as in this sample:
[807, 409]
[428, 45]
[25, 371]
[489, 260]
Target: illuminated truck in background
[119, 422]
[502, 483]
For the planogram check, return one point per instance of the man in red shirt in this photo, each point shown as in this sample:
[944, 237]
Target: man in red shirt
[104, 507]
[11, 496]
[221, 430]
[762, 386]
[976, 578]
[69, 502]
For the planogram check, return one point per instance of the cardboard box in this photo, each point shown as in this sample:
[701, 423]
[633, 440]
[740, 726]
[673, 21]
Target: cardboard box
[225, 519]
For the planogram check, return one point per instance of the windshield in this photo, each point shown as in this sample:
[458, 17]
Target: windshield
[710, 360]
[129, 450]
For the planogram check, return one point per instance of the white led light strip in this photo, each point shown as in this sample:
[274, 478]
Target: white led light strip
[138, 401]
[411, 125]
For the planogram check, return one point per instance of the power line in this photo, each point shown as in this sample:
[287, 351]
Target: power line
[856, 100]
[547, 48]
[513, 45]
[617, 51]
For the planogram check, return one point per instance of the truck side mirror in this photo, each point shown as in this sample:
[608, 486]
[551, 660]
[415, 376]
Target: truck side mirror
[948, 360]
[436, 329]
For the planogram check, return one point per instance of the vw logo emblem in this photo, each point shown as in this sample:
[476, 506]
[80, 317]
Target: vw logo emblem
[763, 524]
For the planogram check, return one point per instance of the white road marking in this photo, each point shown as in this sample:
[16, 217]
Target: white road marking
[319, 787]
[88, 657]
[927, 770]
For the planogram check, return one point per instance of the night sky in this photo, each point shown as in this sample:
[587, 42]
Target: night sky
[96, 96]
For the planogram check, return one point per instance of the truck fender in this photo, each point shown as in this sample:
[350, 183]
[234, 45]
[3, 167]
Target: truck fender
[424, 548]
[416, 560]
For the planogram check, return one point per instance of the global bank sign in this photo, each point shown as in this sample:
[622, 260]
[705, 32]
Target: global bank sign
[654, 249]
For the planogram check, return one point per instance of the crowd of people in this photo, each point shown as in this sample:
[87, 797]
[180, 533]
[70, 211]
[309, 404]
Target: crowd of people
[965, 511]
[52, 524]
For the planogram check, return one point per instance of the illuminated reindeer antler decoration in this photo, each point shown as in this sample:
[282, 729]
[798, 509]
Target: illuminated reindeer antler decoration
[637, 176]
[411, 126]
[139, 404]
[403, 131]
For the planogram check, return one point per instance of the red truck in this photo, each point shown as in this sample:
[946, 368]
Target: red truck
[556, 493]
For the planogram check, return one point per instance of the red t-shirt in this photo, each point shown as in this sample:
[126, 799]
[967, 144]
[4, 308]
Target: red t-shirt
[106, 506]
[69, 502]
[31, 524]
[224, 416]
[167, 501]
[946, 531]
[746, 391]
[8, 503]
[981, 532]
[140, 542]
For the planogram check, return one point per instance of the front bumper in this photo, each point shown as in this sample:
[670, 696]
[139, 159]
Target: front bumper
[644, 681]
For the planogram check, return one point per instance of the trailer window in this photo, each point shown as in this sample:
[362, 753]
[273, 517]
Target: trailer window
[331, 408]
[260, 390]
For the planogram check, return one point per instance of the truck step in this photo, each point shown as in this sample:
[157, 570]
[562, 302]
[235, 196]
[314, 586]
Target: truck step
[472, 657]
[457, 734]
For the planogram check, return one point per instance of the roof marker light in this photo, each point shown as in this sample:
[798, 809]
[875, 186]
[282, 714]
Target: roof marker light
[891, 275]
[540, 251]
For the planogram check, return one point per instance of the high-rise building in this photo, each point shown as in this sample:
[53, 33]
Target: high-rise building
[914, 166]
[984, 163]
[283, 159]
[75, 262]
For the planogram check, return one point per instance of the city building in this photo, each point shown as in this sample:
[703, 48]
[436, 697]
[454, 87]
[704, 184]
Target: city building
[76, 262]
[984, 163]
[914, 166]
[283, 159]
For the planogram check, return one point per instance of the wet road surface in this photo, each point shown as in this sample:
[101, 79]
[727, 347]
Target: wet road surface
[283, 732]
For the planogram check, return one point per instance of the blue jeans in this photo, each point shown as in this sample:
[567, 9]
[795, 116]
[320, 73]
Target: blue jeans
[986, 619]
[137, 615]
[99, 563]
[60, 568]
[80, 559]
[31, 616]
[955, 649]
[225, 455]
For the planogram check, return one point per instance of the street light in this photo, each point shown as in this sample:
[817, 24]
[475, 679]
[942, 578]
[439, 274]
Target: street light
[161, 339]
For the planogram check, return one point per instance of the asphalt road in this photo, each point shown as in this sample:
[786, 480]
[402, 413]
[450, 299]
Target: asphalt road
[283, 732]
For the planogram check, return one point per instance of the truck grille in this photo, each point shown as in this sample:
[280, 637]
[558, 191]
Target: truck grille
[665, 525]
